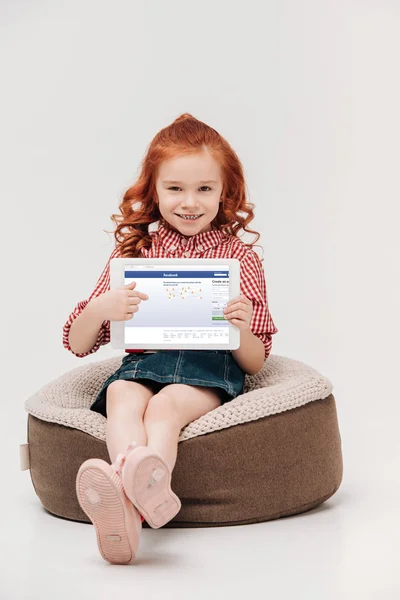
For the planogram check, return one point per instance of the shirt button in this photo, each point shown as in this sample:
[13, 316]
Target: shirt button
[184, 242]
[186, 254]
[172, 248]
[200, 247]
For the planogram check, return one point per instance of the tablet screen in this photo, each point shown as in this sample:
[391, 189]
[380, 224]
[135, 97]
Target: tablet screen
[185, 304]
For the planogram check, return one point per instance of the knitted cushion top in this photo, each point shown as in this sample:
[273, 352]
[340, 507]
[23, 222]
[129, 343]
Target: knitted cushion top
[282, 384]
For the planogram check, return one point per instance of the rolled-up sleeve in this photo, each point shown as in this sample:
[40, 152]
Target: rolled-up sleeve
[253, 286]
[102, 286]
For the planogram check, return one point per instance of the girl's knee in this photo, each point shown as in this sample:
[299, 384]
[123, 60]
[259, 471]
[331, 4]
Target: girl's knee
[122, 394]
[162, 407]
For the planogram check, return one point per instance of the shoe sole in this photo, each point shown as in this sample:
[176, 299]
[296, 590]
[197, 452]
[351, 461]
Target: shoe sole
[155, 500]
[118, 525]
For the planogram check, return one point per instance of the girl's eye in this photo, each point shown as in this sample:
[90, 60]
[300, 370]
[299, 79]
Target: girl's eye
[174, 187]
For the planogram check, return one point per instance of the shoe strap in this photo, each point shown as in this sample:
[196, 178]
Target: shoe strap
[121, 458]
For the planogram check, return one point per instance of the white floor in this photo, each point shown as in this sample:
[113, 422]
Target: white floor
[347, 548]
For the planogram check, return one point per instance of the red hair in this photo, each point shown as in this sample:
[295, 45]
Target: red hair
[186, 135]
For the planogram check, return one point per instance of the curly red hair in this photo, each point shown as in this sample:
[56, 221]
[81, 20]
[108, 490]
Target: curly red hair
[185, 135]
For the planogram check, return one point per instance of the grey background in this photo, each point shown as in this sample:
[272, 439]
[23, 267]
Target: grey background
[308, 95]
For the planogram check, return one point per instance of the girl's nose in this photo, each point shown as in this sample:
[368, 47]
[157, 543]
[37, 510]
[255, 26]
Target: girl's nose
[189, 201]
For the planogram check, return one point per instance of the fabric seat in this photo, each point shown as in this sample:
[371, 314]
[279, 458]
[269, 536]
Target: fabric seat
[273, 451]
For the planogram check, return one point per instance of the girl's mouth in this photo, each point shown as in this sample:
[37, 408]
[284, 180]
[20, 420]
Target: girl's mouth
[189, 217]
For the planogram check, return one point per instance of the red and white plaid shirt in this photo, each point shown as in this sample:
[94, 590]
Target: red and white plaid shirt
[168, 243]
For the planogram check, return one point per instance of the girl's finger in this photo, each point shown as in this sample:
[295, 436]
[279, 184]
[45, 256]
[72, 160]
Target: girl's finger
[238, 313]
[241, 306]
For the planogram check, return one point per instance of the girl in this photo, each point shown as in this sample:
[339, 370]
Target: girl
[191, 184]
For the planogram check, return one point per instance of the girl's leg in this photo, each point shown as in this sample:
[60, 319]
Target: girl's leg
[99, 486]
[162, 428]
[144, 479]
[126, 404]
[171, 409]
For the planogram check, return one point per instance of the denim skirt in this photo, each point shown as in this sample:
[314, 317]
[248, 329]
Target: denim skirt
[210, 368]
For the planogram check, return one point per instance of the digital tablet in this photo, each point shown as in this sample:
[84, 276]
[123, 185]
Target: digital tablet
[185, 307]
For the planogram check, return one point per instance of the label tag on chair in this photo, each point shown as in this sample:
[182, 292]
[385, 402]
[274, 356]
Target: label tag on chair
[24, 456]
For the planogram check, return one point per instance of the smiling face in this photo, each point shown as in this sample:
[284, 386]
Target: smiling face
[189, 185]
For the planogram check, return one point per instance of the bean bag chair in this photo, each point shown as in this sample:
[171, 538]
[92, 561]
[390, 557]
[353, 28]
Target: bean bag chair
[272, 452]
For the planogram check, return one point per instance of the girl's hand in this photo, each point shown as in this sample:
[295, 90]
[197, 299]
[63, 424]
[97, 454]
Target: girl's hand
[239, 311]
[119, 304]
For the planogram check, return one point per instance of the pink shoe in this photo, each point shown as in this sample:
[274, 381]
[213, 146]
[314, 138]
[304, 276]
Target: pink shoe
[146, 478]
[118, 524]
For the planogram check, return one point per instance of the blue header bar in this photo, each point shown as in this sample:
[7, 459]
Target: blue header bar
[171, 274]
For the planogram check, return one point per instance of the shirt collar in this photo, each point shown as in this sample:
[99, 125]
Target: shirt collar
[171, 239]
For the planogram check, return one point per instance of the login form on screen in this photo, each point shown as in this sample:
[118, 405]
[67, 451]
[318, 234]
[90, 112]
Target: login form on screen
[185, 304]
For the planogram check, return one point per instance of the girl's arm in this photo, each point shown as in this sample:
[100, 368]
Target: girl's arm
[250, 354]
[85, 330]
[88, 331]
[253, 286]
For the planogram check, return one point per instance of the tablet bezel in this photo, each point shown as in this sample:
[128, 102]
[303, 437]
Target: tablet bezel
[117, 279]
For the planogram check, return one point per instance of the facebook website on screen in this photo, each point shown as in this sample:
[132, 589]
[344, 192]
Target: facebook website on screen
[185, 304]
